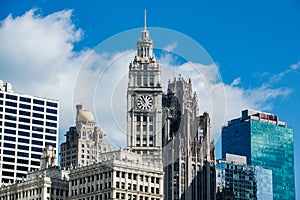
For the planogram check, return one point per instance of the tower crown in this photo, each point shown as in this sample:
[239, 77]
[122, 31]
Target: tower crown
[145, 44]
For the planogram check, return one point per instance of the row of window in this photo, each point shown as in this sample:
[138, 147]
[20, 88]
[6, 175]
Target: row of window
[34, 121]
[24, 147]
[20, 161]
[134, 187]
[28, 100]
[135, 176]
[22, 112]
[20, 154]
[27, 134]
[92, 178]
[27, 120]
[34, 128]
[120, 195]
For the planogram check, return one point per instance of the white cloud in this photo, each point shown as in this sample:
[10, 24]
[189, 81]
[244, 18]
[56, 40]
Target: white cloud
[171, 47]
[236, 81]
[279, 76]
[37, 56]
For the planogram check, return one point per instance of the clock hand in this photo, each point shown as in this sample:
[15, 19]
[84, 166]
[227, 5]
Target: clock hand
[144, 101]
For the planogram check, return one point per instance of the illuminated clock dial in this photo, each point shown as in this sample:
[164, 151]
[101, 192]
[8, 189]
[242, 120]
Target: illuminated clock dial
[144, 102]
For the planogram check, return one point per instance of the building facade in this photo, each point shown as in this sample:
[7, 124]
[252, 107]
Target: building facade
[144, 99]
[237, 180]
[118, 174]
[27, 125]
[47, 183]
[84, 142]
[266, 142]
[188, 153]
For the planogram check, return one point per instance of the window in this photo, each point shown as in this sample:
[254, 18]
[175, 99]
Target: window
[37, 135]
[151, 80]
[13, 132]
[21, 140]
[50, 131]
[38, 115]
[21, 161]
[36, 142]
[36, 163]
[8, 124]
[36, 156]
[22, 126]
[39, 129]
[49, 117]
[51, 111]
[36, 101]
[36, 149]
[40, 109]
[138, 80]
[23, 147]
[38, 122]
[8, 152]
[8, 138]
[8, 145]
[4, 173]
[25, 106]
[50, 144]
[12, 104]
[13, 97]
[50, 137]
[145, 80]
[24, 99]
[8, 110]
[52, 104]
[23, 154]
[51, 124]
[22, 133]
[6, 159]
[21, 119]
[25, 113]
[20, 175]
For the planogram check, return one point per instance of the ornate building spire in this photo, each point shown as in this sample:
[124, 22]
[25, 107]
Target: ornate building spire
[145, 19]
[145, 44]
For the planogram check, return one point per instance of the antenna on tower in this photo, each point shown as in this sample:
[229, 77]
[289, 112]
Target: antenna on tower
[145, 19]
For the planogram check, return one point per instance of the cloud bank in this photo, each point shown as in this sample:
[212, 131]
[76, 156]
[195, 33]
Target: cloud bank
[37, 56]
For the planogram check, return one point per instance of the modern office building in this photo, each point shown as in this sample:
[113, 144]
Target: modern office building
[27, 125]
[84, 142]
[266, 142]
[188, 152]
[49, 182]
[237, 180]
[120, 174]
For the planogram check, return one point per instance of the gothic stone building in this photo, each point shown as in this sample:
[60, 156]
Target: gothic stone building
[188, 153]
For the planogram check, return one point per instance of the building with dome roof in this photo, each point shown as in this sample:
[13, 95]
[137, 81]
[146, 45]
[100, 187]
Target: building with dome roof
[84, 142]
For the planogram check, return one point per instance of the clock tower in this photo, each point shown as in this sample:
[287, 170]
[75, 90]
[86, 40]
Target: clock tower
[144, 99]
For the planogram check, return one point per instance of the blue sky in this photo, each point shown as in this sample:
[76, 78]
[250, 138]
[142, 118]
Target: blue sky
[253, 42]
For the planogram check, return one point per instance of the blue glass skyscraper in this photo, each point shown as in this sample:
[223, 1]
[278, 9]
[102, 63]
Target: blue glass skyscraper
[266, 142]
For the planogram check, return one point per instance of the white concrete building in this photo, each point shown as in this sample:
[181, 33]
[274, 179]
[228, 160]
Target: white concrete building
[144, 99]
[48, 183]
[84, 142]
[27, 125]
[118, 174]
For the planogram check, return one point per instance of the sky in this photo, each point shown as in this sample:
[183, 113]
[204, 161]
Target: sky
[246, 54]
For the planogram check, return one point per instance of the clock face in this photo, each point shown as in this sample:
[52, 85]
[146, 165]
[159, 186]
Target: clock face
[144, 102]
